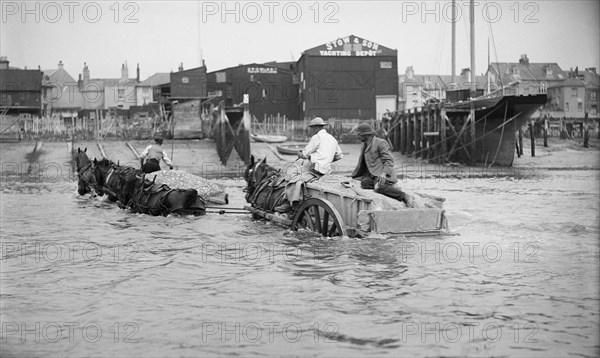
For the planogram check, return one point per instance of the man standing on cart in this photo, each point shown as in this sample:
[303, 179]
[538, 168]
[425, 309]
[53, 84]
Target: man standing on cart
[322, 150]
[153, 154]
[375, 168]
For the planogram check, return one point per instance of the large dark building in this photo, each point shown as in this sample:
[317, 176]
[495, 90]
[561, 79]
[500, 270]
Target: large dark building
[348, 78]
[271, 88]
[20, 90]
[188, 84]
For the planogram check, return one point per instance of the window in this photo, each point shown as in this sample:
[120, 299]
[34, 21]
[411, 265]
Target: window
[221, 78]
[385, 64]
[594, 109]
[573, 91]
[567, 107]
[593, 95]
[121, 92]
[579, 107]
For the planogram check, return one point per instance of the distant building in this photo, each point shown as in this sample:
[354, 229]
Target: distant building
[415, 90]
[120, 93]
[529, 78]
[576, 97]
[271, 88]
[61, 94]
[188, 84]
[20, 89]
[348, 78]
[145, 90]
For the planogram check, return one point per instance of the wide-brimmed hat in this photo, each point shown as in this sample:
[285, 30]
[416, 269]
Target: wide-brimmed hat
[364, 129]
[318, 121]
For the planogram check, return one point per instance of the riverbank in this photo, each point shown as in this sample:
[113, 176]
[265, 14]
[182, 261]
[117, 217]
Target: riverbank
[199, 157]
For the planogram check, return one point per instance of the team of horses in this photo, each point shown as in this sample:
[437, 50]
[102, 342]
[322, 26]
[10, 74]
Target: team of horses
[132, 189]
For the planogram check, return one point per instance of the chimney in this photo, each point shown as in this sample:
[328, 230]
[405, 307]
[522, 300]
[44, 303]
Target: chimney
[124, 71]
[137, 73]
[410, 73]
[80, 82]
[464, 74]
[181, 67]
[524, 60]
[86, 72]
[4, 63]
[60, 65]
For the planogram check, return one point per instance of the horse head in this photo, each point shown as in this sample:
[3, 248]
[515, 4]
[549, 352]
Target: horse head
[85, 173]
[256, 173]
[102, 169]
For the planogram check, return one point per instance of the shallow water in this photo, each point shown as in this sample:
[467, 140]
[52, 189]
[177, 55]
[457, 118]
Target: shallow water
[80, 277]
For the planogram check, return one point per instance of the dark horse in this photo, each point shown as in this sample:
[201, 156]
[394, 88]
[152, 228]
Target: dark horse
[265, 185]
[86, 180]
[131, 188]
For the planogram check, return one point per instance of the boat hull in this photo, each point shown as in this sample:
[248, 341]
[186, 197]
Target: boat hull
[268, 138]
[496, 122]
[291, 149]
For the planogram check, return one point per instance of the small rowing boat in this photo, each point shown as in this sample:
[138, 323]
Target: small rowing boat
[290, 149]
[268, 138]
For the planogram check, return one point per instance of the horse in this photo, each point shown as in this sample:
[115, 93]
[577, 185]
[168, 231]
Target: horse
[265, 187]
[86, 180]
[148, 197]
[131, 189]
[113, 178]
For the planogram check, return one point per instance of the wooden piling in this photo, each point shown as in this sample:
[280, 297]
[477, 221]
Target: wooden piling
[416, 133]
[532, 135]
[443, 144]
[402, 133]
[546, 133]
[520, 141]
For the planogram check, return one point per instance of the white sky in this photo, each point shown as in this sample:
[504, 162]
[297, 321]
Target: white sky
[160, 34]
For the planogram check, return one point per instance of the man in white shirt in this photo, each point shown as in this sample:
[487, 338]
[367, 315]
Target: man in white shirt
[322, 150]
[153, 155]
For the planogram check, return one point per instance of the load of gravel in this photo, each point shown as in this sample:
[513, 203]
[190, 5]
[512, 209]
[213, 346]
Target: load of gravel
[179, 179]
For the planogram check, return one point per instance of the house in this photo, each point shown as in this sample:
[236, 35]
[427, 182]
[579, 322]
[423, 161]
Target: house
[120, 93]
[61, 94]
[528, 78]
[347, 78]
[576, 97]
[20, 89]
[145, 90]
[415, 90]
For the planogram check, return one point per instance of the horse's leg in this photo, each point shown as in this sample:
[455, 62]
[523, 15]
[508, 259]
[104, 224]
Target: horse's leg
[81, 189]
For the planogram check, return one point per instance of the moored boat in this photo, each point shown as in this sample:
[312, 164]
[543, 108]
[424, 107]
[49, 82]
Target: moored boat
[268, 138]
[290, 149]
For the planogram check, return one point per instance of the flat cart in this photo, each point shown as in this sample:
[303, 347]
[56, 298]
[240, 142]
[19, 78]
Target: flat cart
[337, 206]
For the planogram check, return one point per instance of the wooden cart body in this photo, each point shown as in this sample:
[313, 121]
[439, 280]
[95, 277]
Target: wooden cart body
[361, 216]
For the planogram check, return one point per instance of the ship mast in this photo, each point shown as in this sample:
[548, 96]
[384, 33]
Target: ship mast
[453, 41]
[472, 23]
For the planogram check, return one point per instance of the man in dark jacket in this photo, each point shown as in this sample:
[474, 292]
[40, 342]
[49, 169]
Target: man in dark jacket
[375, 167]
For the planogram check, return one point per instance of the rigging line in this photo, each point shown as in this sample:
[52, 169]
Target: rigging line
[440, 48]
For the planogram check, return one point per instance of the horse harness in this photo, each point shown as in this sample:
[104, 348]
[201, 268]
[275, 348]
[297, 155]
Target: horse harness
[273, 182]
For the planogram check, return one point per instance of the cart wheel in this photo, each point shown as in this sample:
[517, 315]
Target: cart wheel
[320, 216]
